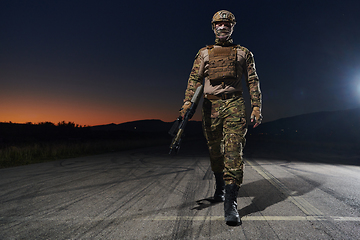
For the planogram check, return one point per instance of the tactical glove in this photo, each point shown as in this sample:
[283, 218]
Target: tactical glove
[256, 115]
[184, 108]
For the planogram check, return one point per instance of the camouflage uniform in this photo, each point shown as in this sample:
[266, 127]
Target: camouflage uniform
[224, 120]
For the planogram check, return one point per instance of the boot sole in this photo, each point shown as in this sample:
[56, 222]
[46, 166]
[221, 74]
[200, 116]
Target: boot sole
[234, 223]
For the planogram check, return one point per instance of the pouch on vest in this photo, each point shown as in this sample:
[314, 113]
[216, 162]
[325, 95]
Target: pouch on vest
[222, 63]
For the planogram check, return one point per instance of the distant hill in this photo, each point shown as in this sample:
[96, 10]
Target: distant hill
[151, 125]
[325, 126]
[333, 126]
[320, 126]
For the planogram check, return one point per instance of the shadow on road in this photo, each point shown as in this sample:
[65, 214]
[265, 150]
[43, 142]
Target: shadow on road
[264, 194]
[205, 203]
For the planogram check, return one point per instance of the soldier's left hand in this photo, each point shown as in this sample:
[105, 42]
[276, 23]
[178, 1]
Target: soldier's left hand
[256, 116]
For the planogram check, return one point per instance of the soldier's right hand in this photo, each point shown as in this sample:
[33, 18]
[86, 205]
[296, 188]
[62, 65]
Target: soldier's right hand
[184, 108]
[256, 116]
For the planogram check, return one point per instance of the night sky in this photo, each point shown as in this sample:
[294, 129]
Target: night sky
[100, 62]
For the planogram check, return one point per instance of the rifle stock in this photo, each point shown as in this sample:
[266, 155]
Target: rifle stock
[179, 125]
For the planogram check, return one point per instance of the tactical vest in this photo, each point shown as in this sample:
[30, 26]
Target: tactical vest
[222, 63]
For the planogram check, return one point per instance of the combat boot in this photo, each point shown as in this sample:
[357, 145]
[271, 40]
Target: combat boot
[219, 195]
[232, 217]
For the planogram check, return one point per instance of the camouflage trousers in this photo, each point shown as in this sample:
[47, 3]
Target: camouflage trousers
[224, 125]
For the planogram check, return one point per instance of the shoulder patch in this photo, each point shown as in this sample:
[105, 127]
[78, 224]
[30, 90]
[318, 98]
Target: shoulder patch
[243, 48]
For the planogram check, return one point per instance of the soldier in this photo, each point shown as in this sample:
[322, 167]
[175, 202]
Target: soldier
[220, 68]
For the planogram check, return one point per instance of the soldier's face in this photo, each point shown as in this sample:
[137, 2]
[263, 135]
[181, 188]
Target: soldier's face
[223, 30]
[225, 24]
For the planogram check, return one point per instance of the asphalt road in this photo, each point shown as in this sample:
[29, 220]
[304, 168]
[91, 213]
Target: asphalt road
[146, 194]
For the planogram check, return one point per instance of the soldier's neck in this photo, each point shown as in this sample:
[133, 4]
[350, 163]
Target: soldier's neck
[224, 43]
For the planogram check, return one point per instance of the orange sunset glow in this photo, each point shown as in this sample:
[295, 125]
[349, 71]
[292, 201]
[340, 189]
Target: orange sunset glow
[35, 112]
[36, 107]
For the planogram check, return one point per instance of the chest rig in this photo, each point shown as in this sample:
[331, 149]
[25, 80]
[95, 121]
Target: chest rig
[222, 63]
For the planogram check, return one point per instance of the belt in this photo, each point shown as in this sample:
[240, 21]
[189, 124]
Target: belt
[222, 96]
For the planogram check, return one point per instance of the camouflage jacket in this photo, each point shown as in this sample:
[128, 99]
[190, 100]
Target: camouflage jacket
[246, 67]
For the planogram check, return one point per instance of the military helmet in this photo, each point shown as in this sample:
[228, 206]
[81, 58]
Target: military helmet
[223, 16]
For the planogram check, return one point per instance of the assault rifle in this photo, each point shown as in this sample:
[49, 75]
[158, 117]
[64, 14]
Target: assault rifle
[179, 125]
